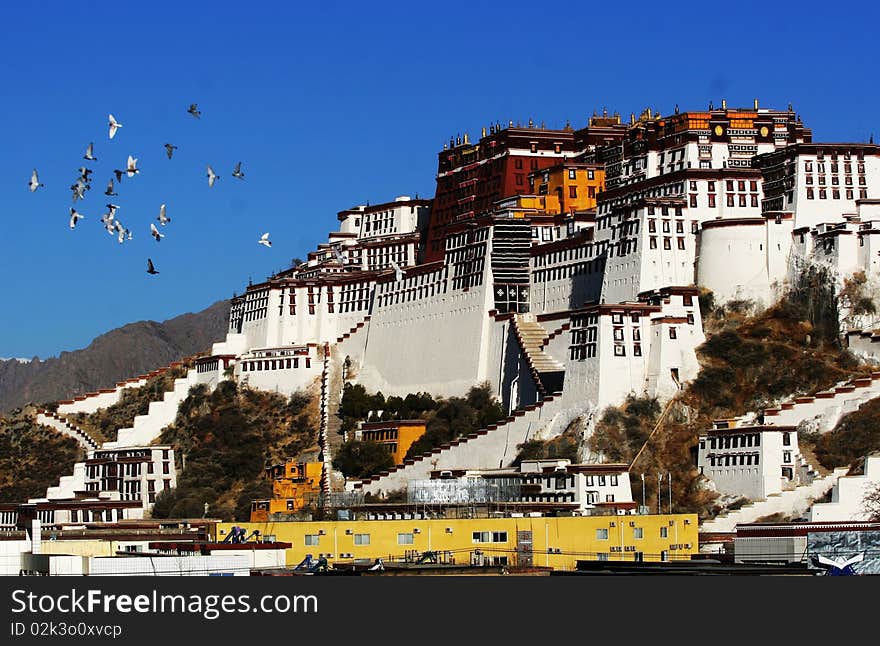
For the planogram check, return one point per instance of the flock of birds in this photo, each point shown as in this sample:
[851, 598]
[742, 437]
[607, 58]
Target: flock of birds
[112, 223]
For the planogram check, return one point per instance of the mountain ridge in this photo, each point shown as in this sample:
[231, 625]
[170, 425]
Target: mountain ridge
[118, 354]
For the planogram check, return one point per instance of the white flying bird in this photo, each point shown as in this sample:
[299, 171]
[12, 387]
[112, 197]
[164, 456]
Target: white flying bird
[79, 189]
[75, 217]
[237, 172]
[114, 125]
[90, 153]
[212, 176]
[163, 219]
[109, 225]
[264, 240]
[35, 182]
[123, 232]
[132, 168]
[155, 233]
[339, 257]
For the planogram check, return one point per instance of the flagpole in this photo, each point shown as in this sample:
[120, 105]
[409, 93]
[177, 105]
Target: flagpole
[659, 490]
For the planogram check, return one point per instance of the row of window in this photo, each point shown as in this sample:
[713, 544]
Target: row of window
[274, 364]
[835, 180]
[408, 538]
[667, 243]
[733, 460]
[835, 193]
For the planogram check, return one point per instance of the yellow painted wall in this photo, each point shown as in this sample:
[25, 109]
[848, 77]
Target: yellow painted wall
[575, 537]
[558, 178]
[84, 547]
[407, 434]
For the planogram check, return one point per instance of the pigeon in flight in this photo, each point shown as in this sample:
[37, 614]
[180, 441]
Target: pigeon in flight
[84, 174]
[169, 150]
[237, 172]
[339, 257]
[35, 182]
[110, 190]
[119, 174]
[114, 125]
[90, 153]
[132, 167]
[212, 176]
[107, 220]
[75, 217]
[150, 268]
[194, 110]
[122, 232]
[163, 219]
[264, 240]
[155, 233]
[79, 189]
[112, 209]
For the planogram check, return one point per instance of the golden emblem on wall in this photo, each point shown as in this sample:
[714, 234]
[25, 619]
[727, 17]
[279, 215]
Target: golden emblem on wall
[764, 131]
[719, 130]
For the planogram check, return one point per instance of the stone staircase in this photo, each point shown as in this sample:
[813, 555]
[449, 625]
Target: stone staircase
[825, 408]
[323, 441]
[93, 401]
[63, 426]
[353, 330]
[68, 486]
[547, 372]
[792, 503]
[147, 428]
[489, 448]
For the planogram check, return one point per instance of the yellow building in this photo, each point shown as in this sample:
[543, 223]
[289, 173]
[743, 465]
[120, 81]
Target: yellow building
[294, 486]
[569, 186]
[396, 435]
[555, 542]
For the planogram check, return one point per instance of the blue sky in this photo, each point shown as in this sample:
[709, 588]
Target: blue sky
[331, 105]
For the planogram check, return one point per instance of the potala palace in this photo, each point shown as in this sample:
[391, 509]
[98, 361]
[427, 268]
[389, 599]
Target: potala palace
[560, 266]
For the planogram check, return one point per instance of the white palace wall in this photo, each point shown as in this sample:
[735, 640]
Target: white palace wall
[733, 260]
[437, 344]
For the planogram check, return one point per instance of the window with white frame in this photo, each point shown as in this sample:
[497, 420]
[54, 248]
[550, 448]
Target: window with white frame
[405, 538]
[361, 539]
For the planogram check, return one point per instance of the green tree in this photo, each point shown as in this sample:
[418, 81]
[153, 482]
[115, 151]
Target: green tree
[362, 459]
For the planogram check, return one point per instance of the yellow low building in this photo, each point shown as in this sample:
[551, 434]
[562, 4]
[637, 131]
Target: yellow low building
[569, 186]
[294, 486]
[396, 435]
[555, 542]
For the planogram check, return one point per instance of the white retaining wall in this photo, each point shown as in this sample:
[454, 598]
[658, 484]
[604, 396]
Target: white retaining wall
[496, 448]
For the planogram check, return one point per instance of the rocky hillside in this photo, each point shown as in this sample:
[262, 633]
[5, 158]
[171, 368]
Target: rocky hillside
[125, 352]
[748, 362]
[226, 438]
[32, 457]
